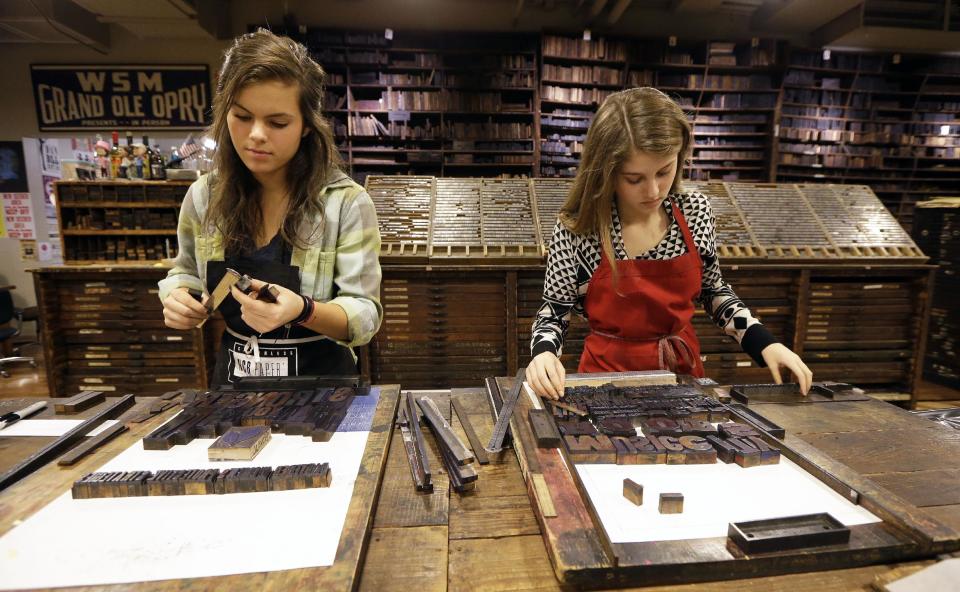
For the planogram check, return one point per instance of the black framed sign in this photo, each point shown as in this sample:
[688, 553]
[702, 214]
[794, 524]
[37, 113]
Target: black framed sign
[105, 96]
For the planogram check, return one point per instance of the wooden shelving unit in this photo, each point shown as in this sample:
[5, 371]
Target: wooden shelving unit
[890, 121]
[431, 103]
[118, 221]
[729, 90]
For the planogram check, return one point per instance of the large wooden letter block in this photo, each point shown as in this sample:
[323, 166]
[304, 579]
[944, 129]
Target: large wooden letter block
[240, 443]
[725, 451]
[737, 430]
[617, 426]
[697, 451]
[591, 449]
[656, 426]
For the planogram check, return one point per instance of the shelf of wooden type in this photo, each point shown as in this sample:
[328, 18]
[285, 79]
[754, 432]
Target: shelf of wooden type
[576, 76]
[118, 221]
[404, 212]
[441, 329]
[935, 229]
[103, 330]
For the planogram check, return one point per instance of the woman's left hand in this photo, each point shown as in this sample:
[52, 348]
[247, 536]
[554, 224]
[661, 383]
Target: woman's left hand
[267, 316]
[777, 355]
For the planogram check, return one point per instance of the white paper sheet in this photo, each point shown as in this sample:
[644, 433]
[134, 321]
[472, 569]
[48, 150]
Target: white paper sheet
[117, 540]
[713, 496]
[50, 427]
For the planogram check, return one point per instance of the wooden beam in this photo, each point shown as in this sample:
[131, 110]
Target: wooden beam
[838, 27]
[72, 20]
[597, 8]
[617, 11]
[768, 10]
[518, 9]
[213, 16]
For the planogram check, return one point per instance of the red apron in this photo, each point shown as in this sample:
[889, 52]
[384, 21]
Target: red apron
[647, 325]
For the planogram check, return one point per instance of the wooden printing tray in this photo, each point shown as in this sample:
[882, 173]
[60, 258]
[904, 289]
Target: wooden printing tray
[582, 556]
[792, 532]
[31, 494]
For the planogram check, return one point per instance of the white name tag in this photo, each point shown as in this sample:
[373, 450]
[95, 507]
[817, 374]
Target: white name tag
[274, 361]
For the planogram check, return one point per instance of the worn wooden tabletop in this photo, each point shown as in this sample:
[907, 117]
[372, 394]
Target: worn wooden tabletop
[489, 539]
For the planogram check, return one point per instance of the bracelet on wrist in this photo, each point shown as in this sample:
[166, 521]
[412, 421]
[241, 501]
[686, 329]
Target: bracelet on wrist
[307, 312]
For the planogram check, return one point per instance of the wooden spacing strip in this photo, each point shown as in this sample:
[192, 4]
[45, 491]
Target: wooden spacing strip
[478, 451]
[506, 410]
[444, 432]
[51, 450]
[91, 444]
[421, 477]
[495, 398]
[413, 419]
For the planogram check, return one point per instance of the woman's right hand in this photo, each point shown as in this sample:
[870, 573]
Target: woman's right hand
[182, 311]
[545, 375]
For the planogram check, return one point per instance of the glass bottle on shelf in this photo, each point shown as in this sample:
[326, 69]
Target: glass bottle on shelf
[116, 156]
[142, 161]
[157, 166]
[126, 168]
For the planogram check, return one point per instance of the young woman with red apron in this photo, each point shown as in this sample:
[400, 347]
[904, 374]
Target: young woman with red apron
[643, 320]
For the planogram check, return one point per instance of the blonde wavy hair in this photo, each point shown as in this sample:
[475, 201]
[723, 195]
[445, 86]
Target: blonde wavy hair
[637, 119]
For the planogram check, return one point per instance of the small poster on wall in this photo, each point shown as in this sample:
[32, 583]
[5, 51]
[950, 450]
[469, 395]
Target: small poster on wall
[18, 215]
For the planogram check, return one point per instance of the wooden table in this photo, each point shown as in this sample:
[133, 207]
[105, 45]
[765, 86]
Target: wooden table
[490, 539]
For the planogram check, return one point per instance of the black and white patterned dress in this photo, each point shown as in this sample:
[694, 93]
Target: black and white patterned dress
[574, 258]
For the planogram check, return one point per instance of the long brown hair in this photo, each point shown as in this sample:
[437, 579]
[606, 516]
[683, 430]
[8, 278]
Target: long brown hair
[234, 192]
[641, 119]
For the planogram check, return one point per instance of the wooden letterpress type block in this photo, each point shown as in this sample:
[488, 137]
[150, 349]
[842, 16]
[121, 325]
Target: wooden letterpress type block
[591, 449]
[262, 479]
[633, 491]
[768, 454]
[656, 426]
[576, 428]
[326, 425]
[227, 482]
[747, 454]
[326, 475]
[647, 453]
[737, 430]
[81, 487]
[78, 403]
[725, 452]
[239, 443]
[544, 428]
[718, 415]
[626, 451]
[699, 413]
[617, 426]
[674, 449]
[697, 427]
[671, 503]
[697, 450]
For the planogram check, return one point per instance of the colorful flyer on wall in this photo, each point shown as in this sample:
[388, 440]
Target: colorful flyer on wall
[18, 215]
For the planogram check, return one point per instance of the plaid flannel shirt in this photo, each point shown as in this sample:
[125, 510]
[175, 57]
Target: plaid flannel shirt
[340, 264]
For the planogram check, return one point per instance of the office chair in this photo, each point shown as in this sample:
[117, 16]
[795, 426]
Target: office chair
[8, 313]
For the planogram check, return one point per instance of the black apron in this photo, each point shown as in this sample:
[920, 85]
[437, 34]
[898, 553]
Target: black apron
[289, 350]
